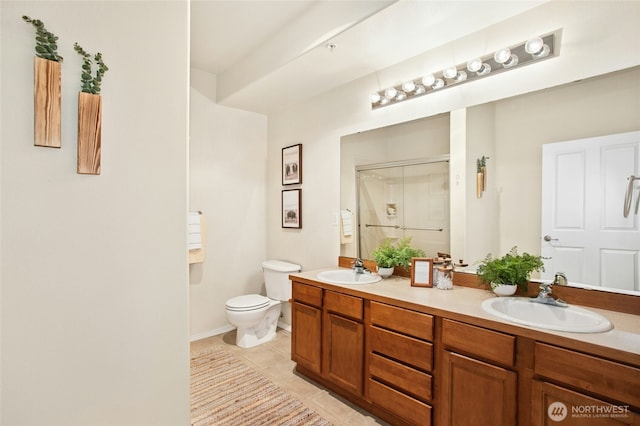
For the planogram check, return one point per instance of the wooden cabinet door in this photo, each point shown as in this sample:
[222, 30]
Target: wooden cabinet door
[306, 336]
[344, 352]
[554, 405]
[476, 393]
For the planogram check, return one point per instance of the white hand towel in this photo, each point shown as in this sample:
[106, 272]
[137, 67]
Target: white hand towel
[194, 236]
[347, 226]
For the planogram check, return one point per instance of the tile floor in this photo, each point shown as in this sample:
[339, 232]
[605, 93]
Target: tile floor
[273, 360]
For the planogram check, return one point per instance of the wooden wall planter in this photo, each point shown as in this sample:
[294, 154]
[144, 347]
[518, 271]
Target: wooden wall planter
[47, 103]
[89, 133]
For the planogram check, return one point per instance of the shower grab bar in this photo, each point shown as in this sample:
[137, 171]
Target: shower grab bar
[628, 197]
[404, 228]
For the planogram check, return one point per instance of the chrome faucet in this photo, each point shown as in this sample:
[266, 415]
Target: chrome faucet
[544, 296]
[560, 279]
[358, 266]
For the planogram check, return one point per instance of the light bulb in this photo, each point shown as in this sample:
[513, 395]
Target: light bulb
[462, 76]
[450, 72]
[390, 93]
[474, 64]
[374, 97]
[420, 89]
[438, 84]
[533, 45]
[501, 56]
[512, 61]
[486, 69]
[428, 80]
[408, 86]
[536, 48]
[401, 96]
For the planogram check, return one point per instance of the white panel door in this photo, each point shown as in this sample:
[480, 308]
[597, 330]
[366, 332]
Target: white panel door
[584, 232]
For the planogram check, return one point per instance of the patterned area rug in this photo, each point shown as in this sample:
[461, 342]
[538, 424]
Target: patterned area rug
[225, 391]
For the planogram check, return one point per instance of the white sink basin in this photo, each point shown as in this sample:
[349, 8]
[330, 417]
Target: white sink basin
[521, 310]
[346, 276]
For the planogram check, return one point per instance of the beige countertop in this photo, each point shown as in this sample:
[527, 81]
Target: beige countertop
[463, 304]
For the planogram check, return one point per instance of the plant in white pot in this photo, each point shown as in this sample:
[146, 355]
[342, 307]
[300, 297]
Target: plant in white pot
[504, 274]
[386, 256]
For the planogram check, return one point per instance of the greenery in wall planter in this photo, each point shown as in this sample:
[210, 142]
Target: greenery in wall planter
[46, 41]
[90, 83]
[47, 87]
[511, 269]
[90, 113]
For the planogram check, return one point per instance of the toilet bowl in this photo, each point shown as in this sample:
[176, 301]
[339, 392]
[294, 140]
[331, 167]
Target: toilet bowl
[256, 316]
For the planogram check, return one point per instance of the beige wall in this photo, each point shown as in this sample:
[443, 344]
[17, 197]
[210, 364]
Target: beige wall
[320, 123]
[227, 168]
[94, 276]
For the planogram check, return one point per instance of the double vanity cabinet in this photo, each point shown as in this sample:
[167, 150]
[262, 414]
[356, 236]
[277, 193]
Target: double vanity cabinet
[418, 356]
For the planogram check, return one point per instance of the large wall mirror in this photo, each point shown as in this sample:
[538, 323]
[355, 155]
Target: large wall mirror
[511, 133]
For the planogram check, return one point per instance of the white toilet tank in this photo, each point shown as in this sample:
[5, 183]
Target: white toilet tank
[276, 278]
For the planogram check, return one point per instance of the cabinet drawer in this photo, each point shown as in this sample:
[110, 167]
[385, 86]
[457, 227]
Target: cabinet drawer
[413, 323]
[487, 344]
[344, 305]
[607, 378]
[405, 378]
[401, 405]
[402, 348]
[307, 294]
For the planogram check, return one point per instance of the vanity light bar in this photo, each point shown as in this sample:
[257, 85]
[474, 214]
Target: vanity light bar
[505, 59]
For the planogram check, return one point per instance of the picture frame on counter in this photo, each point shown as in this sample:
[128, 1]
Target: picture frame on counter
[292, 164]
[292, 208]
[421, 272]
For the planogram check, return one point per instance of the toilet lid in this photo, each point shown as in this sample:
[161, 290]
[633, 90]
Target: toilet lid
[247, 302]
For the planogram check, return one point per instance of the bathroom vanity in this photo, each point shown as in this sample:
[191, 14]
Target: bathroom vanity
[423, 356]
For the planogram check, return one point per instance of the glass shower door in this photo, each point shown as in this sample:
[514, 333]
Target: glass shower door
[404, 201]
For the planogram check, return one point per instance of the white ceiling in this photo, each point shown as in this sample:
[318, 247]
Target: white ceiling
[271, 54]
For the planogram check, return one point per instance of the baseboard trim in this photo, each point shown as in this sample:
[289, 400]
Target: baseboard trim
[211, 333]
[284, 326]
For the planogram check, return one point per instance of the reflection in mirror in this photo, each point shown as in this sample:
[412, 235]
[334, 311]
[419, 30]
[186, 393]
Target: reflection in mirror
[421, 141]
[585, 231]
[396, 201]
[511, 132]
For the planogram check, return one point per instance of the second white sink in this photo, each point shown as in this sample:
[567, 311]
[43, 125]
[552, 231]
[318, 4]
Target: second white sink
[346, 276]
[521, 310]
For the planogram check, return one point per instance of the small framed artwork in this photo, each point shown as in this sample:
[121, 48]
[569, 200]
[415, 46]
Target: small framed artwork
[421, 272]
[292, 208]
[292, 164]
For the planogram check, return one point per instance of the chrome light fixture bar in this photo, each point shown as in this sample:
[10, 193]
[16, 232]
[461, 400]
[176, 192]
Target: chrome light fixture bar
[526, 53]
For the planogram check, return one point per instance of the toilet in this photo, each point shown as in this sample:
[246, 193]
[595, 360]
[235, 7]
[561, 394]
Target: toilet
[256, 316]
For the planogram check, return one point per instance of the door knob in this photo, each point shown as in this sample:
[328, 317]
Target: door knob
[548, 238]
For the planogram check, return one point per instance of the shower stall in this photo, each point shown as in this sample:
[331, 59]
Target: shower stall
[404, 199]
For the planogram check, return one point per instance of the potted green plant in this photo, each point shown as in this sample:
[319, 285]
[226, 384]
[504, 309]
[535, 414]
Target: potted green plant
[406, 252]
[386, 256]
[504, 274]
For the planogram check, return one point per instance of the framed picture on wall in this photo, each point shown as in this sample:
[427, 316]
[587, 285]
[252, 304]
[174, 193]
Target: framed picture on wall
[292, 208]
[292, 164]
[421, 272]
